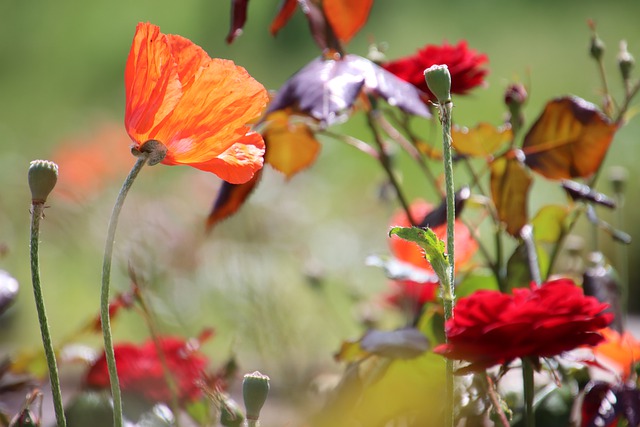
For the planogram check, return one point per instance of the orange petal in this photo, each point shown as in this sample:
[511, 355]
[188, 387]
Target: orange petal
[287, 8]
[238, 163]
[152, 86]
[212, 114]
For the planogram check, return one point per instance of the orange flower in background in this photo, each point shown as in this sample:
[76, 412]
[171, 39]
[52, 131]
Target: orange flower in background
[196, 106]
[409, 252]
[410, 293]
[89, 163]
[622, 352]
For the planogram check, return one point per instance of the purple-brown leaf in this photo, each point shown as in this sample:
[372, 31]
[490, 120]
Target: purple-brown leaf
[326, 89]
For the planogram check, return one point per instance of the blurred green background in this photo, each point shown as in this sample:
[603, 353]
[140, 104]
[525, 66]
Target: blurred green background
[284, 281]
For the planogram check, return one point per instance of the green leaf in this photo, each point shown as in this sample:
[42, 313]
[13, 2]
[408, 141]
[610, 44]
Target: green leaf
[434, 248]
[476, 281]
[548, 224]
[518, 271]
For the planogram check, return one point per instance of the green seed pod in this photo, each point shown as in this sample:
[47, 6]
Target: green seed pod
[255, 388]
[43, 176]
[438, 81]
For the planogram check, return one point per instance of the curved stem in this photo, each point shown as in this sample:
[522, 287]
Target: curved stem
[104, 294]
[36, 214]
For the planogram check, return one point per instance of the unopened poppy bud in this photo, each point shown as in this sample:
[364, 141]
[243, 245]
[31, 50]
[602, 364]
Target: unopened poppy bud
[618, 177]
[43, 175]
[155, 150]
[255, 388]
[438, 81]
[231, 414]
[515, 95]
[625, 61]
[596, 49]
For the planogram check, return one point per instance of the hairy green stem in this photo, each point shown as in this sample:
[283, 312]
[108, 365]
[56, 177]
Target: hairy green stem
[104, 294]
[449, 288]
[527, 381]
[37, 210]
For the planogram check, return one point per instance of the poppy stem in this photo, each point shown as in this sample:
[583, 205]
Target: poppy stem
[37, 209]
[104, 294]
[527, 382]
[449, 289]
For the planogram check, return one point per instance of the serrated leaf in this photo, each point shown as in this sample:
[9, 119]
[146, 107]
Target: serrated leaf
[346, 17]
[291, 145]
[569, 139]
[510, 183]
[548, 224]
[326, 89]
[434, 248]
[481, 141]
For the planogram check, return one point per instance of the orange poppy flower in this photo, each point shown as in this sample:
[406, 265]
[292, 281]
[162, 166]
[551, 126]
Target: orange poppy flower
[621, 351]
[196, 106]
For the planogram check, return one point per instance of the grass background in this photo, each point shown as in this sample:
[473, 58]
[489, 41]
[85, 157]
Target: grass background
[284, 281]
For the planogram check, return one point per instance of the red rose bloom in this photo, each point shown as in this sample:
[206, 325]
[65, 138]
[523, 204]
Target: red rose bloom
[490, 328]
[465, 66]
[140, 370]
[409, 293]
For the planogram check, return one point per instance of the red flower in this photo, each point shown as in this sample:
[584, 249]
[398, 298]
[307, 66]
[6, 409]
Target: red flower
[465, 66]
[409, 293]
[197, 107]
[140, 370]
[490, 328]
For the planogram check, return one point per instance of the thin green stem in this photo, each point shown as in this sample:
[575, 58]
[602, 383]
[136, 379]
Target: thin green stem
[104, 294]
[386, 165]
[449, 288]
[527, 381]
[532, 255]
[37, 210]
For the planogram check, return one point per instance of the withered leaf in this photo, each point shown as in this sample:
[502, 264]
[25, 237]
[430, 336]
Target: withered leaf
[481, 141]
[238, 19]
[569, 139]
[230, 198]
[510, 182]
[346, 17]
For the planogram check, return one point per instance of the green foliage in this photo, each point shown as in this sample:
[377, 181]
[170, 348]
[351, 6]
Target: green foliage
[434, 248]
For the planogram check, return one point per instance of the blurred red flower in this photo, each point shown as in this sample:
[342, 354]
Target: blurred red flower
[465, 66]
[197, 107]
[490, 328]
[408, 293]
[140, 370]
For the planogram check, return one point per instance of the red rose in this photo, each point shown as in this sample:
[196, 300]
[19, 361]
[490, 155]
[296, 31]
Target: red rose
[140, 370]
[409, 293]
[465, 66]
[490, 328]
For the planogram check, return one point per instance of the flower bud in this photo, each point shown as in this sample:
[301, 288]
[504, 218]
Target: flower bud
[625, 61]
[231, 414]
[597, 47]
[515, 95]
[255, 388]
[43, 175]
[438, 81]
[618, 177]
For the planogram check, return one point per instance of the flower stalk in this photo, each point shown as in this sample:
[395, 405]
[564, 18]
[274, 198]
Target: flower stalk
[438, 80]
[104, 294]
[527, 381]
[42, 178]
